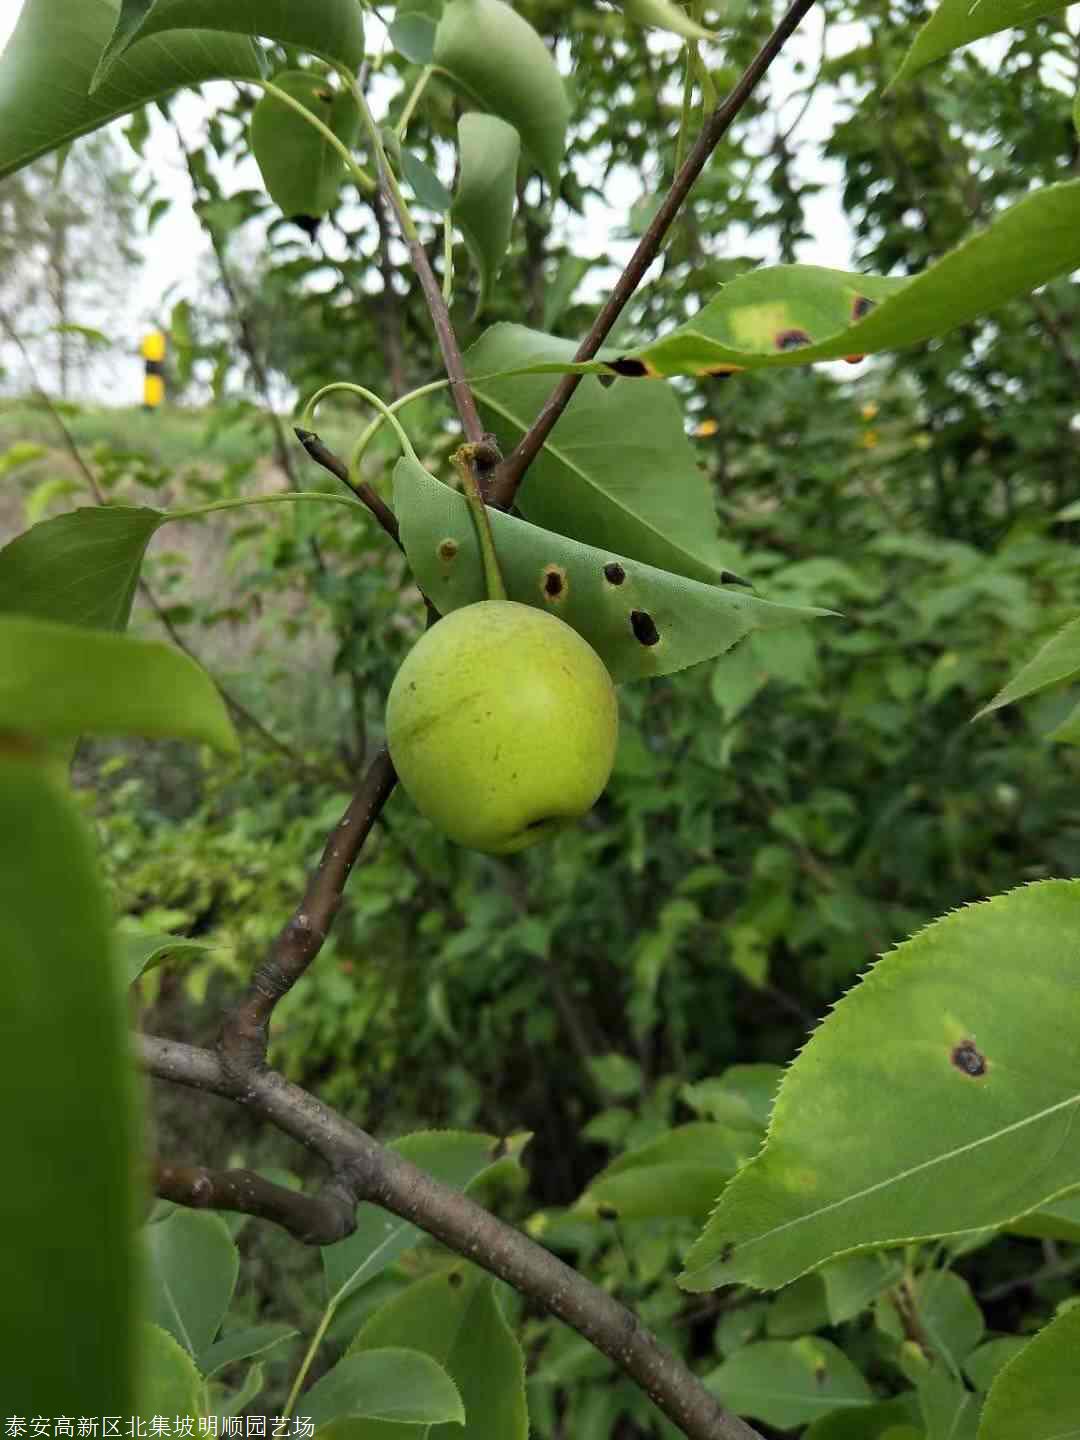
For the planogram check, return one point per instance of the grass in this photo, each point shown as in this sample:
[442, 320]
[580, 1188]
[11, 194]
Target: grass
[172, 435]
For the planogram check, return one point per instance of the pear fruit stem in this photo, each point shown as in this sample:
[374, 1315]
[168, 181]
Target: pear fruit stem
[464, 462]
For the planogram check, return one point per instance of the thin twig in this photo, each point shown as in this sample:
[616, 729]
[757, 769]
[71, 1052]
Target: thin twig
[244, 1033]
[512, 470]
[440, 315]
[324, 456]
[1056, 1271]
[319, 1219]
[382, 1177]
[393, 347]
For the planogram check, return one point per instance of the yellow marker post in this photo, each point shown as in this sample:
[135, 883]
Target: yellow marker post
[153, 351]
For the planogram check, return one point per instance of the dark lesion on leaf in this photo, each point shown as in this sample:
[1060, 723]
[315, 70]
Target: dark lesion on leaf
[633, 369]
[554, 584]
[614, 573]
[721, 372]
[447, 549]
[969, 1059]
[606, 1212]
[727, 1251]
[860, 306]
[454, 1279]
[644, 627]
[791, 339]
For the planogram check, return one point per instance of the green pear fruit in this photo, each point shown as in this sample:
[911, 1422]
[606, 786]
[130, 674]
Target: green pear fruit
[502, 724]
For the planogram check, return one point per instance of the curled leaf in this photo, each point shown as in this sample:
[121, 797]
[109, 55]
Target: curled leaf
[640, 620]
[498, 58]
[45, 97]
[300, 168]
[488, 149]
[665, 15]
[333, 29]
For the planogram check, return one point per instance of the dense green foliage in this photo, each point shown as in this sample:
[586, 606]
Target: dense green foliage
[778, 816]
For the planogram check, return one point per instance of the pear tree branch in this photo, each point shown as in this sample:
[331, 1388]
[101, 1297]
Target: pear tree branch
[433, 295]
[320, 1219]
[512, 470]
[244, 1034]
[364, 1170]
[324, 456]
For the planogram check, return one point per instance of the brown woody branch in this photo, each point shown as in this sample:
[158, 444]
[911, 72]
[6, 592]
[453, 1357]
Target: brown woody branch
[445, 333]
[319, 1219]
[369, 1172]
[324, 456]
[393, 346]
[243, 1039]
[512, 470]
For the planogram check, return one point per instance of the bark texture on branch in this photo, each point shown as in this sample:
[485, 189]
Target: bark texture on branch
[370, 1172]
[312, 1219]
[244, 1033]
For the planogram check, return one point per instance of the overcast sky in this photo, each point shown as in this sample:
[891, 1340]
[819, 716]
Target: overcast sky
[177, 244]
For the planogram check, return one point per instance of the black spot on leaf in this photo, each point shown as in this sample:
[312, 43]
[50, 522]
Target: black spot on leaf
[632, 368]
[791, 339]
[614, 573]
[554, 584]
[969, 1059]
[861, 305]
[727, 1252]
[721, 372]
[454, 1278]
[644, 627]
[607, 1212]
[448, 549]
